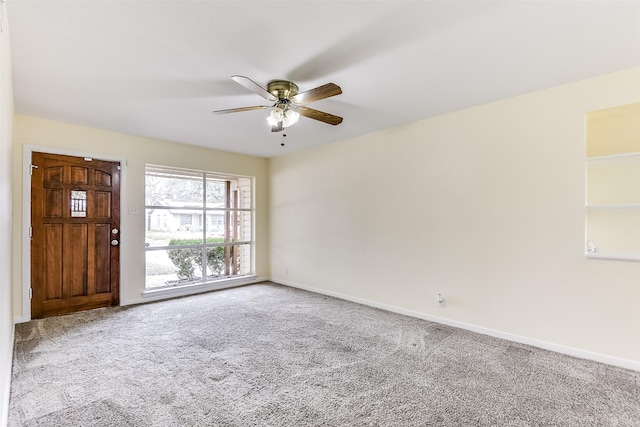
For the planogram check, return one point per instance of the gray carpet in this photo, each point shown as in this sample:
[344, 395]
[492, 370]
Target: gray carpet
[269, 355]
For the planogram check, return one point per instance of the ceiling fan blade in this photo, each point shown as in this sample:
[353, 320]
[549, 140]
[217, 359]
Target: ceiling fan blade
[321, 92]
[319, 115]
[253, 87]
[237, 110]
[277, 128]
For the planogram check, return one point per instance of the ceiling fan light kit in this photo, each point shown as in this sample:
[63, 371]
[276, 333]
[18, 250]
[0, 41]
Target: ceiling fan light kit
[288, 103]
[283, 115]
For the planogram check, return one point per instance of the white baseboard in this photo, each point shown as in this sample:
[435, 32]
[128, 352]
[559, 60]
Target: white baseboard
[166, 293]
[4, 409]
[570, 351]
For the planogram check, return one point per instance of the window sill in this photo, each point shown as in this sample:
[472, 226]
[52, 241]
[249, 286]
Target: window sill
[195, 288]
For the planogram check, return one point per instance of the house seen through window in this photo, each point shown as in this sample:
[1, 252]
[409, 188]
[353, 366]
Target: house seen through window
[199, 226]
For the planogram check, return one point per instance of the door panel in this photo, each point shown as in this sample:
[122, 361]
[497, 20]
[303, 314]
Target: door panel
[75, 205]
[79, 248]
[79, 175]
[53, 203]
[53, 269]
[102, 205]
[102, 260]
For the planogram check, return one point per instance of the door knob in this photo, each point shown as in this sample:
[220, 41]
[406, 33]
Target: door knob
[114, 242]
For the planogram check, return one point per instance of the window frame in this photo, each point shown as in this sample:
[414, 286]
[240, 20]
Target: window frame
[245, 246]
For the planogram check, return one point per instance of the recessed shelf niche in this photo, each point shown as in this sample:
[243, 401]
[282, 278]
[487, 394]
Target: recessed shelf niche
[613, 184]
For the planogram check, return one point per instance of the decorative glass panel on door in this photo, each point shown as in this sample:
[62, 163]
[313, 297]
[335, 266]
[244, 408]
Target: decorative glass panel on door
[78, 203]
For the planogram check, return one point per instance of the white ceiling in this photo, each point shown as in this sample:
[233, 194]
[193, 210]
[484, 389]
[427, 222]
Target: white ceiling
[158, 68]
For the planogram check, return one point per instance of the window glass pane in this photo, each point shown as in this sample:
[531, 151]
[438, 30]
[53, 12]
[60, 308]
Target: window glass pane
[168, 227]
[217, 260]
[244, 193]
[216, 224]
[170, 189]
[243, 255]
[216, 192]
[238, 189]
[244, 224]
[227, 261]
[173, 267]
[238, 229]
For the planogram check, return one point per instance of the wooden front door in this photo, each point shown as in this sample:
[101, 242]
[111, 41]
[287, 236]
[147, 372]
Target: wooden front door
[75, 220]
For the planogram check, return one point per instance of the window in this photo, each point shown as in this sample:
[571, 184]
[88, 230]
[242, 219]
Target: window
[199, 227]
[185, 220]
[613, 183]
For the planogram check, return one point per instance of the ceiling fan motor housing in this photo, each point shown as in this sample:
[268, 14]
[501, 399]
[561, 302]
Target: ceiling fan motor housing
[282, 89]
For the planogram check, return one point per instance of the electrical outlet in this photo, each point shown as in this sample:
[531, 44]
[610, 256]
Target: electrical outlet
[440, 300]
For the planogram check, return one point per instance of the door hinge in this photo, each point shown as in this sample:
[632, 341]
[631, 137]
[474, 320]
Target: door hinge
[32, 168]
[31, 232]
[30, 293]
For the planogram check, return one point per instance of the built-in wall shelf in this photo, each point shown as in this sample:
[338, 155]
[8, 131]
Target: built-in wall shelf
[613, 256]
[630, 206]
[614, 159]
[612, 170]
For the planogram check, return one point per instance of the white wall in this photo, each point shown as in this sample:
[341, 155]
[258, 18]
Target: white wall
[137, 151]
[484, 205]
[6, 117]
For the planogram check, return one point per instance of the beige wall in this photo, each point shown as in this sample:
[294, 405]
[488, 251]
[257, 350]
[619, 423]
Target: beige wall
[137, 151]
[6, 116]
[484, 205]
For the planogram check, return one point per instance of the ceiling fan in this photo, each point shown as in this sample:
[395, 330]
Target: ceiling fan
[288, 105]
